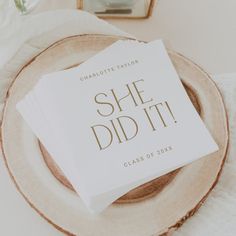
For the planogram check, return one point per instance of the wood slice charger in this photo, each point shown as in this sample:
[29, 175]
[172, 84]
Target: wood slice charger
[155, 208]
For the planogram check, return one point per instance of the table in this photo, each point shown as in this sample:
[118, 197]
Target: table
[203, 30]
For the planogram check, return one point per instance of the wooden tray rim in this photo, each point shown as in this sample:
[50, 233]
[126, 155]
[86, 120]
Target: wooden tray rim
[171, 228]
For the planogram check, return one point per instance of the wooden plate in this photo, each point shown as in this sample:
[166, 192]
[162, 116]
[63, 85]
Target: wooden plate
[155, 208]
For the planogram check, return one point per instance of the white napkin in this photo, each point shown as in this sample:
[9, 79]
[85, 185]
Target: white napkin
[23, 37]
[218, 215]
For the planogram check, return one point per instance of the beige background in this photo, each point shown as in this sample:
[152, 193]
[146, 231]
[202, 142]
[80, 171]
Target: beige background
[203, 30]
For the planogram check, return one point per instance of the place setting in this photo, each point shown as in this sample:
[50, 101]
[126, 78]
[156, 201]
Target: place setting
[106, 134]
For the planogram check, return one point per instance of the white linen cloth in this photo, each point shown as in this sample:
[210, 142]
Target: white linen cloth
[217, 216]
[21, 38]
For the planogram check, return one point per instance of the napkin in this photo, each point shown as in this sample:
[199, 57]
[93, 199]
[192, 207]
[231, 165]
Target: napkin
[218, 212]
[124, 119]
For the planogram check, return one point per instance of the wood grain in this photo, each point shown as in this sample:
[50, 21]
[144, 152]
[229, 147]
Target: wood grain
[159, 213]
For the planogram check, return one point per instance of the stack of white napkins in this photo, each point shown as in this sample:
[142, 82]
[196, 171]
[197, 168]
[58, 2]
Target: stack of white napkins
[118, 120]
